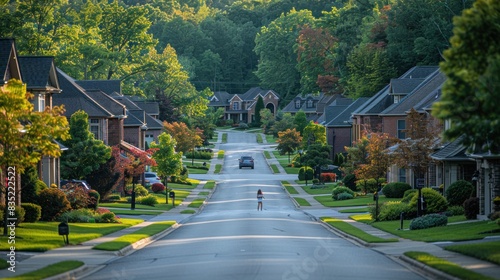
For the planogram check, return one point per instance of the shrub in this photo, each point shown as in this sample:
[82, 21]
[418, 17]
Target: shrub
[350, 181]
[242, 125]
[391, 210]
[82, 215]
[339, 190]
[344, 196]
[114, 197]
[408, 195]
[139, 190]
[108, 218]
[395, 189]
[434, 201]
[19, 213]
[93, 201]
[455, 211]
[77, 197]
[150, 200]
[471, 207]
[494, 216]
[157, 187]
[370, 185]
[32, 212]
[328, 177]
[199, 155]
[53, 203]
[428, 221]
[306, 171]
[458, 192]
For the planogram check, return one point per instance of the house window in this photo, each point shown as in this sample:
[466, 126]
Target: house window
[94, 128]
[397, 98]
[402, 175]
[401, 129]
[309, 104]
[236, 105]
[41, 103]
[297, 104]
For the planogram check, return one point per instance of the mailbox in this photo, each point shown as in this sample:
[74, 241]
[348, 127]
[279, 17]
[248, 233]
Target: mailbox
[63, 228]
[171, 194]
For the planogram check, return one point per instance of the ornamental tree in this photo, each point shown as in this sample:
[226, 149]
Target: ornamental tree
[288, 142]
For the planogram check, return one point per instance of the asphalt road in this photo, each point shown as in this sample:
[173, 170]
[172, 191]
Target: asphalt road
[230, 239]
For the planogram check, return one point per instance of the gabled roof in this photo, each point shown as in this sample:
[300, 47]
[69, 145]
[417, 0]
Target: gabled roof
[220, 98]
[404, 86]
[453, 151]
[75, 98]
[107, 86]
[39, 73]
[426, 90]
[376, 103]
[344, 118]
[252, 93]
[108, 102]
[9, 67]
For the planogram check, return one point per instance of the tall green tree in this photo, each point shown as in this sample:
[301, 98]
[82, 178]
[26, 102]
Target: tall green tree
[258, 107]
[472, 68]
[277, 59]
[286, 122]
[85, 154]
[300, 121]
[313, 134]
[168, 162]
[26, 135]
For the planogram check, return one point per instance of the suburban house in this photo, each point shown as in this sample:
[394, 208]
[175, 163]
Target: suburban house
[241, 107]
[313, 105]
[39, 75]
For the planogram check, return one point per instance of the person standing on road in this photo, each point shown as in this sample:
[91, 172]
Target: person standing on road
[260, 197]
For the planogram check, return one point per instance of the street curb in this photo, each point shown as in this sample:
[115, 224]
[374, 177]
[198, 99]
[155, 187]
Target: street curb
[145, 241]
[430, 270]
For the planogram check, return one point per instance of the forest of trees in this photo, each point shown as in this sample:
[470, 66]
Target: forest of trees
[177, 49]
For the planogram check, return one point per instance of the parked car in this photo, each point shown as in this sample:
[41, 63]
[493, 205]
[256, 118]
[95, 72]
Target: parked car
[69, 184]
[246, 161]
[151, 178]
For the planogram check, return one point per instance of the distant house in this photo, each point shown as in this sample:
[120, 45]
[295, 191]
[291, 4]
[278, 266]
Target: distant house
[313, 105]
[240, 108]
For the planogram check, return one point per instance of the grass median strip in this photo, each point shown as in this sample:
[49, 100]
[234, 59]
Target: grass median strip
[128, 239]
[49, 271]
[445, 266]
[488, 251]
[354, 231]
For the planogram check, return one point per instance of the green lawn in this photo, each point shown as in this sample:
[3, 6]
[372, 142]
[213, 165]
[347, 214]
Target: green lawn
[488, 251]
[128, 239]
[49, 271]
[445, 266]
[362, 200]
[290, 189]
[197, 202]
[218, 168]
[209, 185]
[270, 139]
[275, 168]
[119, 212]
[43, 236]
[354, 231]
[327, 189]
[301, 201]
[452, 232]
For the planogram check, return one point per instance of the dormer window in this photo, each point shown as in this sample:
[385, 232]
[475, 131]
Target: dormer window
[236, 105]
[397, 98]
[297, 104]
[310, 104]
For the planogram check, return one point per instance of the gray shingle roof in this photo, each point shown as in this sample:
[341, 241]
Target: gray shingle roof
[37, 70]
[344, 118]
[453, 151]
[107, 86]
[75, 98]
[7, 51]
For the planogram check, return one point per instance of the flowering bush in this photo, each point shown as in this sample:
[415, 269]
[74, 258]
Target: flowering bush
[157, 187]
[328, 177]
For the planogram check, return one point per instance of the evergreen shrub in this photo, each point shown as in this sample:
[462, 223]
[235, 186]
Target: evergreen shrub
[395, 189]
[341, 190]
[428, 221]
[434, 201]
[53, 203]
[459, 191]
[32, 212]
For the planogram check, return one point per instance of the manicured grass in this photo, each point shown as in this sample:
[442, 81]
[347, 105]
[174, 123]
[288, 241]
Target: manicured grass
[128, 239]
[362, 200]
[354, 231]
[203, 193]
[326, 189]
[289, 188]
[355, 210]
[119, 212]
[209, 185]
[224, 138]
[218, 168]
[196, 203]
[198, 170]
[267, 154]
[452, 232]
[43, 236]
[488, 251]
[301, 201]
[188, 211]
[3, 264]
[445, 266]
[220, 154]
[259, 138]
[274, 168]
[49, 271]
[270, 139]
